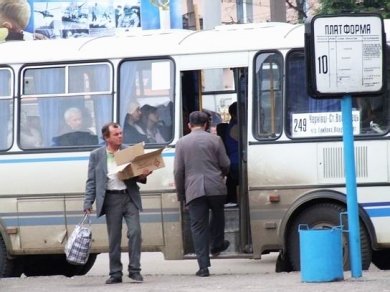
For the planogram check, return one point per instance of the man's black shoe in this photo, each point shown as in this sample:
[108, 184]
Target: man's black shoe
[114, 280]
[216, 251]
[203, 272]
[136, 277]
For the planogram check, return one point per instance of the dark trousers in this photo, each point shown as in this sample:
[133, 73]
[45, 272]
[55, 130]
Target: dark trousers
[117, 208]
[205, 232]
[232, 182]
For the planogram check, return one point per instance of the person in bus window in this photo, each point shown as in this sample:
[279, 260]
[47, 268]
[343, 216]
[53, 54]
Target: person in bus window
[117, 199]
[132, 130]
[30, 136]
[74, 133]
[155, 129]
[200, 166]
[229, 135]
[371, 113]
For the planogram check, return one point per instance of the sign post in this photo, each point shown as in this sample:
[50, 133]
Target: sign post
[345, 57]
[350, 176]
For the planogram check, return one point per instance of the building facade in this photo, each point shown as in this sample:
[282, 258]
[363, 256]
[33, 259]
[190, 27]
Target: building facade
[247, 11]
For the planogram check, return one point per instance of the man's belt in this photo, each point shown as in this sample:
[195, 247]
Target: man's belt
[117, 191]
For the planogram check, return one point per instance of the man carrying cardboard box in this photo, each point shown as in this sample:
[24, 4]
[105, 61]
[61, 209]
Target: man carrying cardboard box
[132, 161]
[117, 199]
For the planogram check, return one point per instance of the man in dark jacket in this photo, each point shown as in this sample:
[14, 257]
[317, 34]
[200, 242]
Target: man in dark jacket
[116, 199]
[199, 168]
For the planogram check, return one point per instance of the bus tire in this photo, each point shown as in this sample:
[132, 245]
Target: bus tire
[325, 215]
[381, 259]
[50, 265]
[8, 267]
[76, 270]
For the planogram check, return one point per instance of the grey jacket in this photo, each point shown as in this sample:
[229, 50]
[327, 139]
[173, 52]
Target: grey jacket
[97, 182]
[200, 165]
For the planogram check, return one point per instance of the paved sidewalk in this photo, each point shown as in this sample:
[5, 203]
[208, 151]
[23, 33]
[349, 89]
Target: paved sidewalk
[178, 276]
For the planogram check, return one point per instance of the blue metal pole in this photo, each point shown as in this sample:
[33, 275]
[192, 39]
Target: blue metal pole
[352, 205]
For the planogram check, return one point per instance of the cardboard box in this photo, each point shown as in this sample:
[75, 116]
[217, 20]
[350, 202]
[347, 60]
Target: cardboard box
[132, 161]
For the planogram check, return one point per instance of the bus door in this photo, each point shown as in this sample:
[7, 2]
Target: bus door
[213, 91]
[241, 79]
[265, 127]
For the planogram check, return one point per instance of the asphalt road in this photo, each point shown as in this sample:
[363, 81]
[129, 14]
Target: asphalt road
[178, 276]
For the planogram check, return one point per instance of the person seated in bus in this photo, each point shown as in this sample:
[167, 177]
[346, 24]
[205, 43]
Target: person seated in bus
[229, 134]
[165, 112]
[154, 128]
[371, 114]
[74, 133]
[30, 135]
[132, 131]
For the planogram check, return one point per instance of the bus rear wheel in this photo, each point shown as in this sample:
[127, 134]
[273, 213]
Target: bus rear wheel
[381, 259]
[325, 215]
[74, 270]
[49, 265]
[8, 267]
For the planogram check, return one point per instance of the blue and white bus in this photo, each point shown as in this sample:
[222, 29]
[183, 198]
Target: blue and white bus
[291, 158]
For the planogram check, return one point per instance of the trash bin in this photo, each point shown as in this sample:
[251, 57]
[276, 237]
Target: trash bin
[321, 254]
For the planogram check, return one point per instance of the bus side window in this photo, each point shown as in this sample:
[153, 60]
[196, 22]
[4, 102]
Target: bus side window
[268, 96]
[146, 101]
[49, 91]
[6, 109]
[6, 125]
[371, 110]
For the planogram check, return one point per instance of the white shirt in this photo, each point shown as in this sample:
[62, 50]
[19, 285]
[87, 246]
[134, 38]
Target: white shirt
[114, 183]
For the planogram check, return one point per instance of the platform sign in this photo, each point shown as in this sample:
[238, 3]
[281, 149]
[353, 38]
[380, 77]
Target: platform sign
[345, 55]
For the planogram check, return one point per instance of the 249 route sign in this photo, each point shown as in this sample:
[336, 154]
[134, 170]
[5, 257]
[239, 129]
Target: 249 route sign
[345, 55]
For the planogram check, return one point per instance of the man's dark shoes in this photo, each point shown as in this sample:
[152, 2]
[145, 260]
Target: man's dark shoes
[203, 272]
[137, 277]
[114, 280]
[217, 250]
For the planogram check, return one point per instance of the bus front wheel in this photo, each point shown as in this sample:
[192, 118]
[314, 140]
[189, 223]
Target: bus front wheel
[325, 215]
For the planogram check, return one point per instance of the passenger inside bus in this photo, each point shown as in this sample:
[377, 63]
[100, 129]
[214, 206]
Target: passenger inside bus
[372, 113]
[155, 129]
[229, 134]
[165, 112]
[30, 135]
[132, 130]
[74, 133]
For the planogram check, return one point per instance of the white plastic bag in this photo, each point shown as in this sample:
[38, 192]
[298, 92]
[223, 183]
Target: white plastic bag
[79, 243]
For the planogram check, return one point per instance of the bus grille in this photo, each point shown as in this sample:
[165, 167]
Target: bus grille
[333, 162]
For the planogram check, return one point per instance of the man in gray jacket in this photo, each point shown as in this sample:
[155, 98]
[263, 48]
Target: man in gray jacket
[116, 199]
[201, 163]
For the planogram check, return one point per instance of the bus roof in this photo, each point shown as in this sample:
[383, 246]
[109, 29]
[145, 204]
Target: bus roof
[223, 38]
[152, 43]
[244, 37]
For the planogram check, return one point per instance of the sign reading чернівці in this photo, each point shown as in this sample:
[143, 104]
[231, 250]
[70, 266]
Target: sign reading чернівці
[346, 55]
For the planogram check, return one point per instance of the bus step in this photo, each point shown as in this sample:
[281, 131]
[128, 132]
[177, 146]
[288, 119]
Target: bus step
[234, 238]
[232, 221]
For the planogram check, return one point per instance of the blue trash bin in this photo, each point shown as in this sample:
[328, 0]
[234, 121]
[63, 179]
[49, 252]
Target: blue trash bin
[321, 254]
